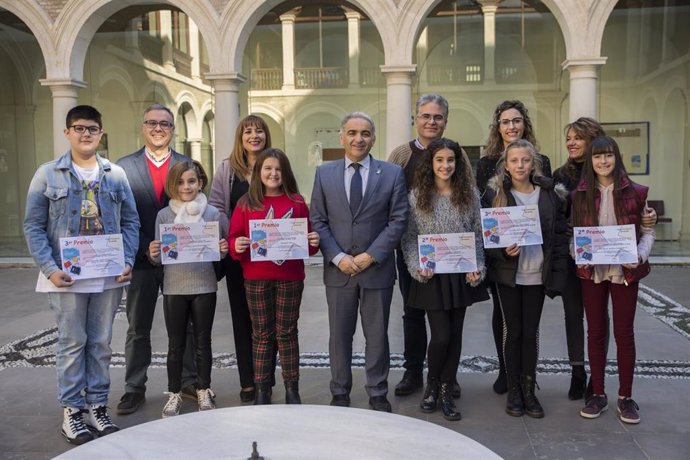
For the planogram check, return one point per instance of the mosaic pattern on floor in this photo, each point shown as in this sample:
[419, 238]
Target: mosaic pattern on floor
[38, 349]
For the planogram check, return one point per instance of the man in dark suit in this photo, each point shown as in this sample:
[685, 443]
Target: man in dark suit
[147, 170]
[359, 209]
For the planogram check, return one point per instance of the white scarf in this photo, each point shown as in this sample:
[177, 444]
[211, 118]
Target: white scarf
[189, 211]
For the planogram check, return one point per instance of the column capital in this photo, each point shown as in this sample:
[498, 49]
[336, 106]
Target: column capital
[353, 16]
[592, 62]
[229, 80]
[399, 69]
[290, 16]
[489, 6]
[63, 82]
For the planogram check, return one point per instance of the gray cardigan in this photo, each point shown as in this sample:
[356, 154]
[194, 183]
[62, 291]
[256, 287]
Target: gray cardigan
[445, 218]
[191, 278]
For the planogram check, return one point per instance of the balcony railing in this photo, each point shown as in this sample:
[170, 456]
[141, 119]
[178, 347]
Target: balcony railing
[267, 79]
[371, 77]
[183, 62]
[321, 77]
[454, 74]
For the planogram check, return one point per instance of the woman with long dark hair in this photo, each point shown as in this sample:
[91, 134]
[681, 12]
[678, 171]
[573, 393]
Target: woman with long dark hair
[230, 182]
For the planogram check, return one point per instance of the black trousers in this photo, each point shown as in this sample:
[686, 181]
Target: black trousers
[178, 310]
[497, 326]
[414, 324]
[142, 294]
[574, 318]
[445, 346]
[521, 307]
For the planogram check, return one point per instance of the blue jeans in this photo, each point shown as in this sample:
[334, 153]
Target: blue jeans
[82, 357]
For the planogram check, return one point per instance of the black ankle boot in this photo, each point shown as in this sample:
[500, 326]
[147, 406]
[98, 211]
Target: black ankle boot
[578, 383]
[532, 406]
[292, 392]
[448, 403]
[515, 406]
[501, 383]
[263, 394]
[430, 398]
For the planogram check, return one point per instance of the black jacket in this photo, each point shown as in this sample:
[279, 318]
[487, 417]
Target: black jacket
[503, 269]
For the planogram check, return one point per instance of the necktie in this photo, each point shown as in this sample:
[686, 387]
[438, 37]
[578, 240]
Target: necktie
[355, 188]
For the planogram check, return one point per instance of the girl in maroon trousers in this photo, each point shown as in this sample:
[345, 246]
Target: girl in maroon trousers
[606, 196]
[274, 288]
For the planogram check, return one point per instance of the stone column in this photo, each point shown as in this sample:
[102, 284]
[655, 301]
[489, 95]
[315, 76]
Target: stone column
[422, 55]
[194, 49]
[65, 94]
[195, 148]
[398, 104]
[489, 8]
[353, 40]
[166, 35]
[226, 111]
[132, 35]
[288, 27]
[584, 78]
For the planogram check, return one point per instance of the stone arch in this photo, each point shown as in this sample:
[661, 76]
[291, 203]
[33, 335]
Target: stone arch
[36, 19]
[118, 74]
[193, 122]
[240, 18]
[80, 19]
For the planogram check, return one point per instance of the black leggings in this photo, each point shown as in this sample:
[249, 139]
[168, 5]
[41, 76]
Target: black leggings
[521, 307]
[574, 318]
[178, 309]
[445, 345]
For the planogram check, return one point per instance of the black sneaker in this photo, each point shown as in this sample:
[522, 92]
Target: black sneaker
[74, 429]
[98, 420]
[130, 402]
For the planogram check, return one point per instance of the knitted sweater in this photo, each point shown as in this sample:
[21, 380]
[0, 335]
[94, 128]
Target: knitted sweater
[445, 218]
[275, 207]
[190, 278]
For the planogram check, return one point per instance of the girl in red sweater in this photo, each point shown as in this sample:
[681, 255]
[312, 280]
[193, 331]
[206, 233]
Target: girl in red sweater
[274, 288]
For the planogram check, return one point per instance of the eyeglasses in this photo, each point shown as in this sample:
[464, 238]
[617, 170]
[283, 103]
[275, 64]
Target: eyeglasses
[81, 129]
[427, 117]
[152, 124]
[515, 121]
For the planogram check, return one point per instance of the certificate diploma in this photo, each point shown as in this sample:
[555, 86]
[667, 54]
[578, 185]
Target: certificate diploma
[192, 242]
[278, 239]
[614, 244]
[93, 256]
[502, 227]
[448, 252]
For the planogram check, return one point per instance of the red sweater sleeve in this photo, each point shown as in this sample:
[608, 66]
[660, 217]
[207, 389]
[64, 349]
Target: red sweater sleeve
[239, 226]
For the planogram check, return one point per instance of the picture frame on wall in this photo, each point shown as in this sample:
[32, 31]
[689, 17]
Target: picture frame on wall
[633, 140]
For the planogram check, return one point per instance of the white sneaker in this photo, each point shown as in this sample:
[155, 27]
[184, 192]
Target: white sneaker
[205, 399]
[98, 420]
[172, 407]
[73, 427]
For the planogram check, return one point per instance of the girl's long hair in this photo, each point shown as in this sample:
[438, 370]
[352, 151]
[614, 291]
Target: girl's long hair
[256, 193]
[584, 206]
[238, 157]
[494, 145]
[503, 180]
[461, 182]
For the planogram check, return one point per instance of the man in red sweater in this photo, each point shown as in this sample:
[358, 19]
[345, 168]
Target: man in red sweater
[146, 171]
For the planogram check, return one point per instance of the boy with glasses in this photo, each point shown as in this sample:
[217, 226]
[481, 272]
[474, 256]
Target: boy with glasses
[78, 194]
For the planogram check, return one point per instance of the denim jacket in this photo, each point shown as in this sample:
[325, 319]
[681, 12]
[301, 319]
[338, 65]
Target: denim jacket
[53, 210]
